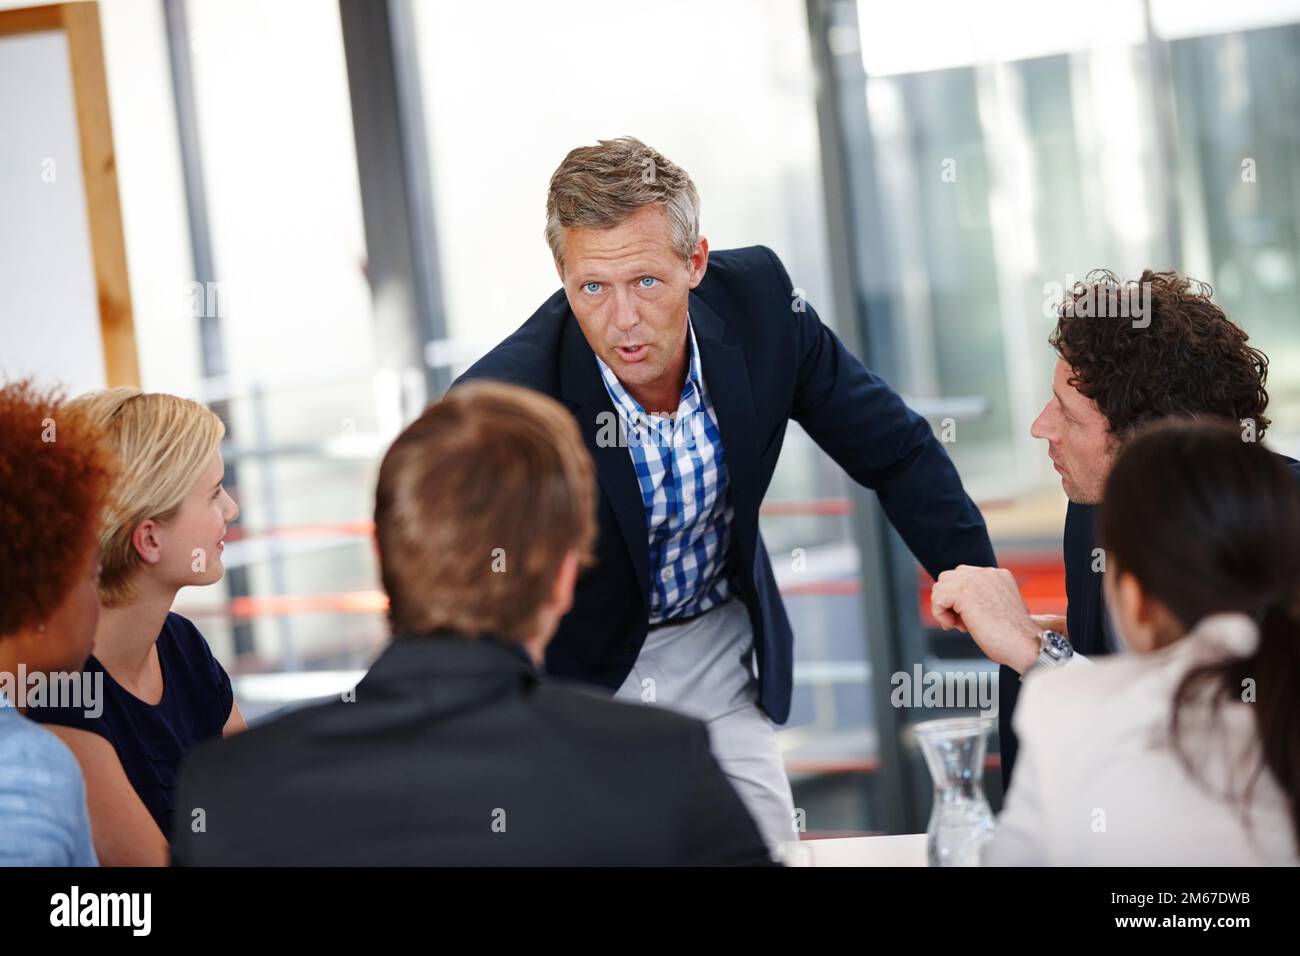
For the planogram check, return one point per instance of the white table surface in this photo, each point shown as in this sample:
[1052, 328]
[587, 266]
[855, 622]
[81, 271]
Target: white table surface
[904, 850]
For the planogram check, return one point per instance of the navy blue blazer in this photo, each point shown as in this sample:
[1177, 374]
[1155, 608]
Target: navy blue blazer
[764, 364]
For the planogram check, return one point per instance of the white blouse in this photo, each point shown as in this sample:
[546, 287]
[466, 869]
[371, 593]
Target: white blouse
[1097, 782]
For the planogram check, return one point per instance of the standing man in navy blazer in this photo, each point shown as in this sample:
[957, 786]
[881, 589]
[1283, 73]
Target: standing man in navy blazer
[683, 370]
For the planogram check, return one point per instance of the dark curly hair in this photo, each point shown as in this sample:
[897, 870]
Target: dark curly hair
[1184, 357]
[55, 477]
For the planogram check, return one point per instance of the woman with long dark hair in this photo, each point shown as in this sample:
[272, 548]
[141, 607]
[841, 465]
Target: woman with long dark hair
[1187, 749]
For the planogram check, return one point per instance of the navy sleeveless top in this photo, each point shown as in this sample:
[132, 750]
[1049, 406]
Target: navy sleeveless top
[153, 740]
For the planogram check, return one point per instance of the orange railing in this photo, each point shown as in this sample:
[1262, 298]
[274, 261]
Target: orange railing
[1041, 576]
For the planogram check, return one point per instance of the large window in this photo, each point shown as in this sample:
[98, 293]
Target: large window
[292, 362]
[1004, 155]
[1008, 156]
[1239, 187]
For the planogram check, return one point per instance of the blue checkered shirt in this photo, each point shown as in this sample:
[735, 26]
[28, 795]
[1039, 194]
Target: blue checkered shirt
[682, 471]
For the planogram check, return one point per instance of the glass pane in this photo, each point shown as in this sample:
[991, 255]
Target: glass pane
[306, 408]
[1012, 156]
[1237, 100]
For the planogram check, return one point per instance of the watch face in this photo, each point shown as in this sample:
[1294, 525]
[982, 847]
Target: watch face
[1057, 644]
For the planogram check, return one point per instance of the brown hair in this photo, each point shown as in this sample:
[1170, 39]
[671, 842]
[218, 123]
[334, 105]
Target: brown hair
[1208, 523]
[600, 186]
[1183, 357]
[479, 500]
[55, 476]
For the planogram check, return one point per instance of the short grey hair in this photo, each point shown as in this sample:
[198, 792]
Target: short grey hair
[600, 186]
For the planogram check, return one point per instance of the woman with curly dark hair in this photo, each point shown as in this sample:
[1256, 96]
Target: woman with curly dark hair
[54, 479]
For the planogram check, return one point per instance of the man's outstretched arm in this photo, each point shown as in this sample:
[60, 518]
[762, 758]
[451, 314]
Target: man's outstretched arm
[882, 444]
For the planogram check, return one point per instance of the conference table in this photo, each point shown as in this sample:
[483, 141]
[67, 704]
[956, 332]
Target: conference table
[907, 849]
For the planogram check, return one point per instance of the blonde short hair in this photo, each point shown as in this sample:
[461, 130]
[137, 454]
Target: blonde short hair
[479, 500]
[600, 186]
[162, 444]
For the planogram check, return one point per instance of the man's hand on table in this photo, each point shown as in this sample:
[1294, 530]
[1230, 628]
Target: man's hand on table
[986, 604]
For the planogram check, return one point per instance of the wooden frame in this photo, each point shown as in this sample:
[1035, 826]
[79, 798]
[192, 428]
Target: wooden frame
[80, 23]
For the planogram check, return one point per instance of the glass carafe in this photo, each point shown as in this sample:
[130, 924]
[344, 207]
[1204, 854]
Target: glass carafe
[961, 822]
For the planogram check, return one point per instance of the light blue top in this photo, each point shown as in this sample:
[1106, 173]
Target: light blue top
[43, 817]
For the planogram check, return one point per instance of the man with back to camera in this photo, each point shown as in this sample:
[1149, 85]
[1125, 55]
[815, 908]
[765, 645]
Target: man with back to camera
[1172, 352]
[451, 751]
[701, 360]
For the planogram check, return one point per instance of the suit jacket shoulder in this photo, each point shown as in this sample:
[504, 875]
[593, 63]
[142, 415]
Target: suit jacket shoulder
[640, 779]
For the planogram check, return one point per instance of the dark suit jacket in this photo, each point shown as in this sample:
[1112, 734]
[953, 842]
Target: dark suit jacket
[454, 753]
[1085, 617]
[764, 363]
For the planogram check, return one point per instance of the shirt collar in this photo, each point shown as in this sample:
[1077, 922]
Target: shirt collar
[1234, 632]
[694, 376]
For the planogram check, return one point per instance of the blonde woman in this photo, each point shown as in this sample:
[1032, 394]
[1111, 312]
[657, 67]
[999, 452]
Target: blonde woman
[163, 692]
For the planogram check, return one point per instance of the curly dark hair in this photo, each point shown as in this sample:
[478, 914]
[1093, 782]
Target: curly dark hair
[1184, 357]
[55, 477]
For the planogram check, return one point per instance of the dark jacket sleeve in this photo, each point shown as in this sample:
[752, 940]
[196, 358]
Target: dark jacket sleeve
[719, 830]
[182, 817]
[883, 445]
[1085, 612]
[197, 841]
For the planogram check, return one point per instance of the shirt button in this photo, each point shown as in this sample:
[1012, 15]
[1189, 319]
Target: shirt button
[688, 495]
[666, 574]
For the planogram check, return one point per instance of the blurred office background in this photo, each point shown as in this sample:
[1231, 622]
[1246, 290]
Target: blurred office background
[330, 209]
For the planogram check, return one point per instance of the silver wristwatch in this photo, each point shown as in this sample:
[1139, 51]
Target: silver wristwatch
[1054, 651]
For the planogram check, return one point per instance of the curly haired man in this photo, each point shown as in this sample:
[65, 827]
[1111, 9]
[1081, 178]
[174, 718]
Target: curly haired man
[1182, 357]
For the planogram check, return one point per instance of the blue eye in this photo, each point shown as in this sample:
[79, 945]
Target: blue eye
[648, 282]
[591, 288]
